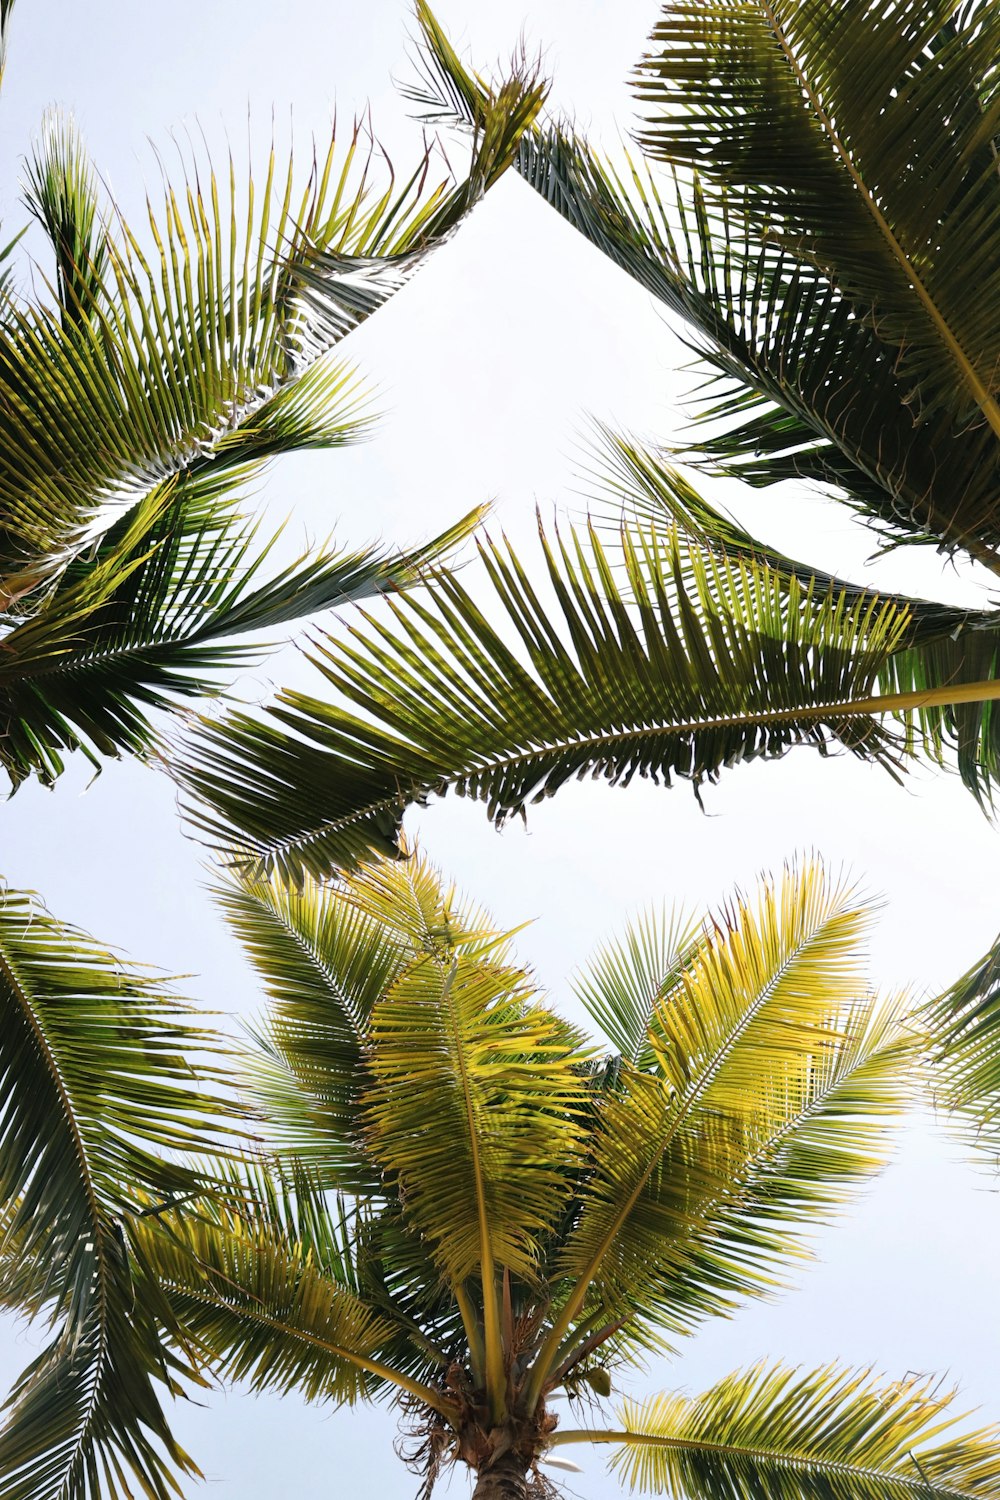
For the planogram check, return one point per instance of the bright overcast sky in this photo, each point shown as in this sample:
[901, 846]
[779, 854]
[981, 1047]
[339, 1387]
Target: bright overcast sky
[486, 368]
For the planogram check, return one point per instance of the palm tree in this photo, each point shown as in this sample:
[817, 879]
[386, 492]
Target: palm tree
[468, 1207]
[819, 200]
[142, 388]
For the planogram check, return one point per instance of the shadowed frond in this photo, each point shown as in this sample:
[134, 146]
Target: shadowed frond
[832, 1434]
[98, 1067]
[154, 616]
[260, 1306]
[693, 664]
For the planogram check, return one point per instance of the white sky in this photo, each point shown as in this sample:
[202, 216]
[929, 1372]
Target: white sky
[487, 366]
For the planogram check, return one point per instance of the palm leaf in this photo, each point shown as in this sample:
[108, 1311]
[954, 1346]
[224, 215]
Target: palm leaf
[766, 1105]
[324, 961]
[187, 359]
[258, 1304]
[98, 1082]
[474, 1110]
[622, 984]
[830, 1434]
[151, 618]
[695, 664]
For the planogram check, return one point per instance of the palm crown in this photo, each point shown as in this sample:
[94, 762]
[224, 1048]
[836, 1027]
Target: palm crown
[470, 1207]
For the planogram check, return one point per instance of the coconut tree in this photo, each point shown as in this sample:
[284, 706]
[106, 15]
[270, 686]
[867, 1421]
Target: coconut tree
[148, 376]
[817, 198]
[468, 1207]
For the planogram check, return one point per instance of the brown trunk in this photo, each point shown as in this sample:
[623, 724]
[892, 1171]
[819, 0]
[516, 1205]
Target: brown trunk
[506, 1479]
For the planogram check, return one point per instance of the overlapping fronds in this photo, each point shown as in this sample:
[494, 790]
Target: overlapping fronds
[829, 1434]
[257, 1304]
[855, 153]
[692, 664]
[627, 479]
[154, 616]
[146, 385]
[767, 1102]
[324, 961]
[98, 1068]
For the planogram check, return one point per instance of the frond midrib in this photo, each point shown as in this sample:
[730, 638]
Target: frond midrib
[789, 1459]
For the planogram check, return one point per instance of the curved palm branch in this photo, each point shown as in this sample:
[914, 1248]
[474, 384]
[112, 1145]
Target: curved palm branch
[693, 664]
[99, 1097]
[832, 191]
[194, 359]
[945, 646]
[264, 1310]
[829, 1434]
[154, 616]
[701, 1166]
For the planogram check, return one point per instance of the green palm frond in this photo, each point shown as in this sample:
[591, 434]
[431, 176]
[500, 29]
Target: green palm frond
[100, 1092]
[324, 961]
[791, 353]
[628, 479]
[830, 1434]
[187, 360]
[62, 194]
[153, 616]
[693, 664]
[622, 983]
[858, 154]
[767, 1104]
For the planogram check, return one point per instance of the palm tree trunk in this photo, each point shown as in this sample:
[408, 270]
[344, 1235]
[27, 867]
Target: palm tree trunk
[507, 1479]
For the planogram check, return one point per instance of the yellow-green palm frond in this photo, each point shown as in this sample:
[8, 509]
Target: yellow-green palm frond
[829, 1434]
[155, 615]
[327, 954]
[100, 1097]
[765, 1104]
[474, 1105]
[944, 646]
[256, 1303]
[691, 664]
[208, 350]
